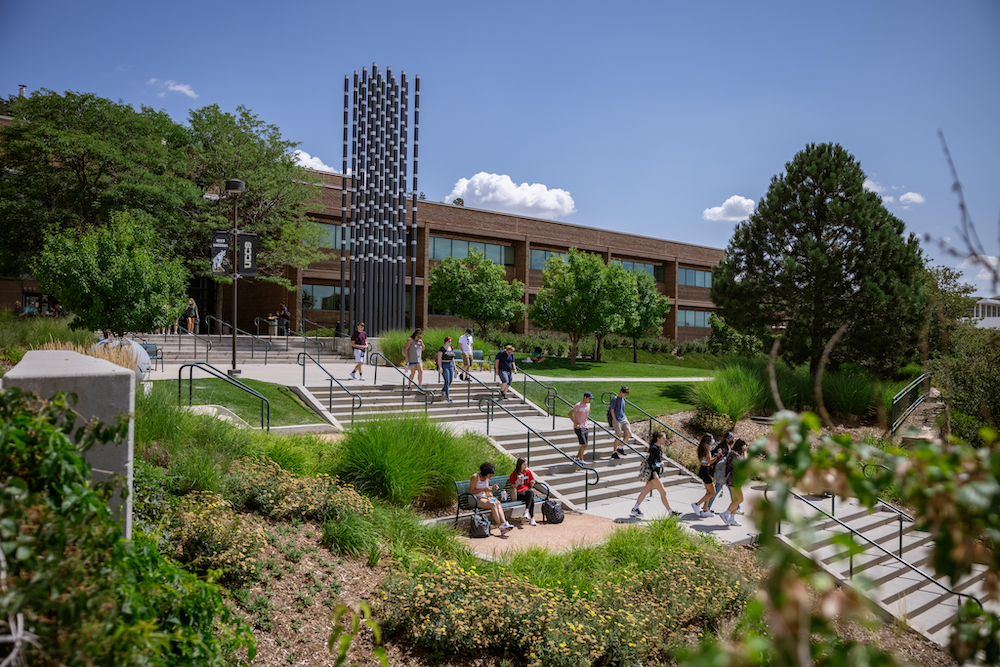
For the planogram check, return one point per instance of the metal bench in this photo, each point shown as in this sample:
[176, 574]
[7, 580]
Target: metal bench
[468, 504]
[155, 354]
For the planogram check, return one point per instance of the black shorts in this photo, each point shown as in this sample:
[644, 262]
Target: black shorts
[705, 474]
[581, 435]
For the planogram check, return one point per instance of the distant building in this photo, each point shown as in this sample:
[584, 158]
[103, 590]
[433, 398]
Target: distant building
[986, 313]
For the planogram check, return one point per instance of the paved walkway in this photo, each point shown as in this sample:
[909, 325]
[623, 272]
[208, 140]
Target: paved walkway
[630, 380]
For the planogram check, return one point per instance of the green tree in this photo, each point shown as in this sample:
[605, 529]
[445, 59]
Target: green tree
[647, 315]
[969, 377]
[68, 161]
[572, 297]
[950, 299]
[476, 289]
[618, 287]
[113, 276]
[726, 340]
[819, 252]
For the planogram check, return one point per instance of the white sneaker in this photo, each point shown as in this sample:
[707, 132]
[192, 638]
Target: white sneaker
[533, 523]
[505, 529]
[526, 514]
[636, 511]
[733, 521]
[696, 509]
[725, 518]
[353, 376]
[362, 378]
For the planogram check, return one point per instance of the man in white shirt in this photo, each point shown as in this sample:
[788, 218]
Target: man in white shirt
[465, 344]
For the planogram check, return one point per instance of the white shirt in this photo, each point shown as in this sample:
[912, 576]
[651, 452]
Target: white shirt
[465, 343]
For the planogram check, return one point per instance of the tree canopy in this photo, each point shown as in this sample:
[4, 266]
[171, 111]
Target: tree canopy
[950, 300]
[645, 315]
[476, 288]
[820, 252]
[114, 276]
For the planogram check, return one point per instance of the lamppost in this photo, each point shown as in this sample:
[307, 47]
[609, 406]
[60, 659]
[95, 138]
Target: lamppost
[234, 187]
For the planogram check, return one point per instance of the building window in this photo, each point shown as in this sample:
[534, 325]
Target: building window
[538, 258]
[499, 254]
[331, 235]
[694, 278]
[655, 270]
[693, 318]
[321, 297]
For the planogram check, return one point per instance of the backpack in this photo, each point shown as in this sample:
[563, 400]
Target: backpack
[479, 526]
[610, 417]
[552, 511]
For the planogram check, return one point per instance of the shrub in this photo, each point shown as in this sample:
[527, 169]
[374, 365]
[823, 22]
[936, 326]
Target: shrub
[850, 396]
[406, 460]
[392, 342]
[712, 422]
[90, 597]
[737, 391]
[208, 535]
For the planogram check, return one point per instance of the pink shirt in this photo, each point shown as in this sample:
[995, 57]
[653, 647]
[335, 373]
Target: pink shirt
[579, 414]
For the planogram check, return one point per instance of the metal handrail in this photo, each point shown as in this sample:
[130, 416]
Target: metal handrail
[355, 398]
[549, 389]
[492, 403]
[651, 417]
[877, 546]
[197, 337]
[426, 392]
[898, 419]
[864, 471]
[336, 333]
[212, 370]
[253, 338]
[593, 446]
[320, 346]
[468, 380]
[256, 323]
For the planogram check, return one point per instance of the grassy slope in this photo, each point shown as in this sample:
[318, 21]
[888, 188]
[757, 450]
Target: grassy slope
[558, 367]
[286, 408]
[654, 397]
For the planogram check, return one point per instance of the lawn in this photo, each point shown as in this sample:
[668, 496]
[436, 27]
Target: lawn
[286, 408]
[559, 367]
[656, 398]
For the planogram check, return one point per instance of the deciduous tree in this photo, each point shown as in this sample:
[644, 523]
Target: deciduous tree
[475, 288]
[820, 251]
[646, 318]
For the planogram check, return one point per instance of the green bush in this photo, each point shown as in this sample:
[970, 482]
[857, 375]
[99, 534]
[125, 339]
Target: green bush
[850, 396]
[91, 597]
[411, 460]
[737, 391]
[392, 343]
[20, 333]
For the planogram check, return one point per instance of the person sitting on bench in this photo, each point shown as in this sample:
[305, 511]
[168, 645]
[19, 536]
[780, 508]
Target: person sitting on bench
[481, 490]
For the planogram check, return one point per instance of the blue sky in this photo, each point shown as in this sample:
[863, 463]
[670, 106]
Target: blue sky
[643, 116]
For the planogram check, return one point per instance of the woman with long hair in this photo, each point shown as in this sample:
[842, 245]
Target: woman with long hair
[736, 453]
[191, 313]
[523, 481]
[446, 362]
[413, 352]
[655, 467]
[705, 461]
[482, 491]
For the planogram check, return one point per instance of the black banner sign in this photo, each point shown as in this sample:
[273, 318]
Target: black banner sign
[246, 259]
[221, 265]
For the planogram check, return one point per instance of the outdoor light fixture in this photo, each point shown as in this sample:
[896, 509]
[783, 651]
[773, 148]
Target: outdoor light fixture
[235, 187]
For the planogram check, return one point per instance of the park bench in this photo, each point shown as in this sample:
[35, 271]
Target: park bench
[155, 354]
[468, 504]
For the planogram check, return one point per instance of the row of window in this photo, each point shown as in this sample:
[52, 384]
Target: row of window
[332, 235]
[694, 277]
[692, 318]
[442, 248]
[538, 257]
[327, 297]
[655, 270]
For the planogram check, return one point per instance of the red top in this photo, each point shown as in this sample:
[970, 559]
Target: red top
[528, 477]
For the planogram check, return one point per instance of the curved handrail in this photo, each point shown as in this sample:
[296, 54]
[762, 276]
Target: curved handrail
[212, 370]
[257, 321]
[320, 346]
[549, 389]
[426, 392]
[878, 546]
[253, 338]
[197, 337]
[651, 417]
[492, 403]
[469, 377]
[356, 400]
[596, 423]
[899, 417]
[864, 471]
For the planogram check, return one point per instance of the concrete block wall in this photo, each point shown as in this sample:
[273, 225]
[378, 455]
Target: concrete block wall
[103, 390]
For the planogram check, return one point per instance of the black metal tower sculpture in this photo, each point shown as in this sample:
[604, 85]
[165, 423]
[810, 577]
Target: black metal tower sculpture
[373, 242]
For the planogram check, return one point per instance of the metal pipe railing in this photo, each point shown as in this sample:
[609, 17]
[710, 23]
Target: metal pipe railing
[915, 393]
[596, 423]
[197, 337]
[212, 370]
[253, 338]
[549, 389]
[492, 403]
[356, 400]
[372, 359]
[469, 378]
[651, 417]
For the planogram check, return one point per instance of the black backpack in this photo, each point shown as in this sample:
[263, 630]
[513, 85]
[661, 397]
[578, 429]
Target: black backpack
[479, 526]
[552, 511]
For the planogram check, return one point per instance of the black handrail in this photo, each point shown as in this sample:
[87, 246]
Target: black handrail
[256, 323]
[197, 337]
[596, 423]
[915, 392]
[253, 338]
[212, 370]
[468, 380]
[356, 399]
[651, 417]
[549, 389]
[492, 403]
[320, 346]
[426, 392]
[877, 546]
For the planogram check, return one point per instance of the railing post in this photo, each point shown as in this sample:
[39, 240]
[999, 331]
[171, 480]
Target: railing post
[528, 455]
[900, 535]
[468, 393]
[330, 399]
[833, 504]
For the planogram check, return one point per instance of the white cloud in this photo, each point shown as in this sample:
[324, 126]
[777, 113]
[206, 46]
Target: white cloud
[734, 209]
[499, 193]
[172, 86]
[911, 198]
[312, 162]
[983, 278]
[871, 185]
[888, 199]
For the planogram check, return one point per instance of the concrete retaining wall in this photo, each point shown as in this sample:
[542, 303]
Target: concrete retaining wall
[103, 390]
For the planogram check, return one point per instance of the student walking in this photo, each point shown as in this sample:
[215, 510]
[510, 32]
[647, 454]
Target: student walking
[579, 414]
[505, 367]
[284, 317]
[465, 345]
[619, 422]
[655, 461]
[720, 469]
[523, 481]
[737, 452]
[446, 362]
[359, 342]
[191, 314]
[413, 351]
[705, 460]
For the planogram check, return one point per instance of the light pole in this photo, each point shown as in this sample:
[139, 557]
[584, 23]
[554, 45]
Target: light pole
[234, 187]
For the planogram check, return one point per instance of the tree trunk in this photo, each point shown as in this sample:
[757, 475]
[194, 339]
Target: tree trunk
[635, 354]
[597, 348]
[573, 342]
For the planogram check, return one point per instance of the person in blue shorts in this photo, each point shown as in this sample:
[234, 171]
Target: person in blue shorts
[505, 367]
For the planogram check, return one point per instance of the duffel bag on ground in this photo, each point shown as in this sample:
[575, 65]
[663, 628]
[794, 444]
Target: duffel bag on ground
[479, 526]
[552, 511]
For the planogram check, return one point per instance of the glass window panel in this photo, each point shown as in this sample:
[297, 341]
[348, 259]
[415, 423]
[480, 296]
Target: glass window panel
[459, 248]
[537, 259]
[508, 255]
[494, 253]
[708, 279]
[481, 247]
[441, 249]
[329, 237]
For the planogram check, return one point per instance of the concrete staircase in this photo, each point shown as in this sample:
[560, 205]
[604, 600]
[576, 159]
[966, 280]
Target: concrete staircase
[184, 348]
[898, 590]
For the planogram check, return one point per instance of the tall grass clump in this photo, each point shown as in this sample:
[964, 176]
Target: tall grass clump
[411, 460]
[737, 391]
[849, 395]
[19, 334]
[392, 342]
